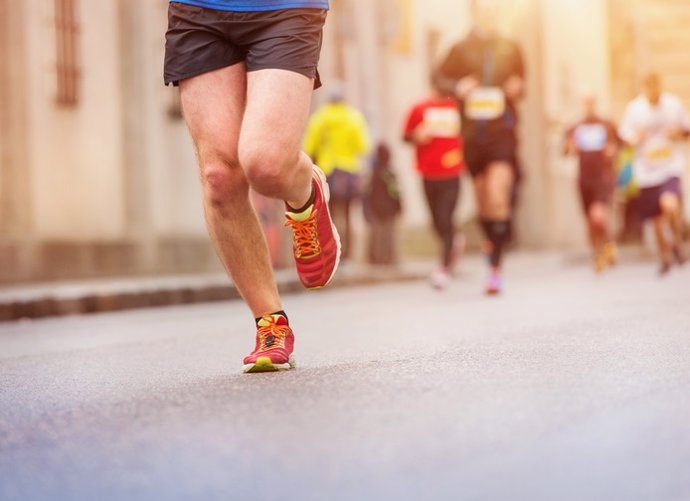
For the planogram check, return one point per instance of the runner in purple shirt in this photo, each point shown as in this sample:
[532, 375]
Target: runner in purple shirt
[595, 142]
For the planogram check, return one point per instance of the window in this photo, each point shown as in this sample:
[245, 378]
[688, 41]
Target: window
[67, 50]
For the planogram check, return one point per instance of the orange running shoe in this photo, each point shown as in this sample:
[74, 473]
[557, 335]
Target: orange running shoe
[316, 244]
[274, 344]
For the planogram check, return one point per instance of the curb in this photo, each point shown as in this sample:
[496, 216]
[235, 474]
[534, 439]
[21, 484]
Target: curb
[44, 305]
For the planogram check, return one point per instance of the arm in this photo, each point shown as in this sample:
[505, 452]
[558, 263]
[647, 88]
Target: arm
[451, 77]
[612, 141]
[514, 86]
[569, 147]
[415, 132]
[628, 131]
[682, 130]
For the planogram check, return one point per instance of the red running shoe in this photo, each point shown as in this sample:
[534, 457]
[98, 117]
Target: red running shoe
[274, 344]
[316, 244]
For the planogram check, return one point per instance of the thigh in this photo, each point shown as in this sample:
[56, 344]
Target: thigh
[480, 197]
[670, 196]
[432, 195]
[451, 193]
[277, 109]
[500, 177]
[429, 192]
[213, 105]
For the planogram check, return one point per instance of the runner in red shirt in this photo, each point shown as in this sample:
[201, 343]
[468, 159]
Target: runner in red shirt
[433, 127]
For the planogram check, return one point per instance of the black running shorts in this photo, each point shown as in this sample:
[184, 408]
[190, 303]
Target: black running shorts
[596, 192]
[478, 156]
[200, 40]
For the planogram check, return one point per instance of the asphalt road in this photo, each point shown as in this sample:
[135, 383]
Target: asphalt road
[569, 387]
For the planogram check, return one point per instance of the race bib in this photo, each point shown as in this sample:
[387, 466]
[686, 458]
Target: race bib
[657, 151]
[485, 103]
[442, 122]
[590, 137]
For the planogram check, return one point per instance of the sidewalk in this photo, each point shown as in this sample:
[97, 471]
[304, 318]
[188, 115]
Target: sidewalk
[91, 296]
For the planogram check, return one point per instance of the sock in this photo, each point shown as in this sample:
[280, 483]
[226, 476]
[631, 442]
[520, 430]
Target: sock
[305, 206]
[486, 227]
[498, 235]
[509, 232]
[281, 312]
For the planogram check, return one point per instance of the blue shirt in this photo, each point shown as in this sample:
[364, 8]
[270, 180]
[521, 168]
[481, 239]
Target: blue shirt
[256, 5]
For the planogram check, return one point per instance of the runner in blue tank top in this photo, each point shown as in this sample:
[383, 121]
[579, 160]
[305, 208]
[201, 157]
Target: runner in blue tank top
[256, 5]
[246, 71]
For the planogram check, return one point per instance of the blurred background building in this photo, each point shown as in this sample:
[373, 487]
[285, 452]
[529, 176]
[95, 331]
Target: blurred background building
[97, 173]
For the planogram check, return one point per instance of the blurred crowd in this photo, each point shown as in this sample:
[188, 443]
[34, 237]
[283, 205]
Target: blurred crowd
[467, 125]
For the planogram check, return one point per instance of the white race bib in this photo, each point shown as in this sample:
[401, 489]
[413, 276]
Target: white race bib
[485, 103]
[442, 122]
[657, 151]
[590, 137]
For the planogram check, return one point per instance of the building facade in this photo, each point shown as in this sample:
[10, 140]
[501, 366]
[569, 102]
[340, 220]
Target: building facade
[97, 172]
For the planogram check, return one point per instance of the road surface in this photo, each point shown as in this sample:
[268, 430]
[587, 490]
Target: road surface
[569, 387]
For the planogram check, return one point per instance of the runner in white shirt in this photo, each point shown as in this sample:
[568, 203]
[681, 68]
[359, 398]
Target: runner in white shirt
[655, 124]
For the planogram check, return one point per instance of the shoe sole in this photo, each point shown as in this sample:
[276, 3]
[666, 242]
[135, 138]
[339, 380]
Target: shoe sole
[327, 197]
[264, 364]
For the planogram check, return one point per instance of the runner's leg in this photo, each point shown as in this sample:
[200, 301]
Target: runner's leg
[270, 152]
[662, 243]
[270, 146]
[497, 206]
[213, 104]
[598, 222]
[448, 200]
[670, 207]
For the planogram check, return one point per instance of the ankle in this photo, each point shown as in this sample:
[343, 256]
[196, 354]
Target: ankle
[298, 206]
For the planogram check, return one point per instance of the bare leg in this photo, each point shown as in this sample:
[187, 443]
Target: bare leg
[670, 207]
[497, 207]
[479, 184]
[500, 177]
[339, 213]
[598, 222]
[270, 146]
[213, 105]
[660, 232]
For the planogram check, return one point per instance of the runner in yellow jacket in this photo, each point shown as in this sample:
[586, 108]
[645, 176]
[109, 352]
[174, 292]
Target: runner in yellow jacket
[336, 138]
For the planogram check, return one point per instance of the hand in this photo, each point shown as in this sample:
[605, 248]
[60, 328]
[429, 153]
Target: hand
[640, 137]
[421, 135]
[513, 87]
[569, 147]
[675, 133]
[465, 86]
[610, 151]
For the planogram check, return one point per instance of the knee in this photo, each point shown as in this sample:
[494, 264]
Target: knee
[223, 180]
[669, 203]
[598, 216]
[497, 206]
[267, 168]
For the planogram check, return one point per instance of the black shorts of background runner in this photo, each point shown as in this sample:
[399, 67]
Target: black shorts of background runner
[478, 156]
[200, 40]
[650, 197]
[442, 197]
[595, 192]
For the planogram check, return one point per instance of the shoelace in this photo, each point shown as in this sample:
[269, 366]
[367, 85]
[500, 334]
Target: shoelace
[272, 336]
[305, 236]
